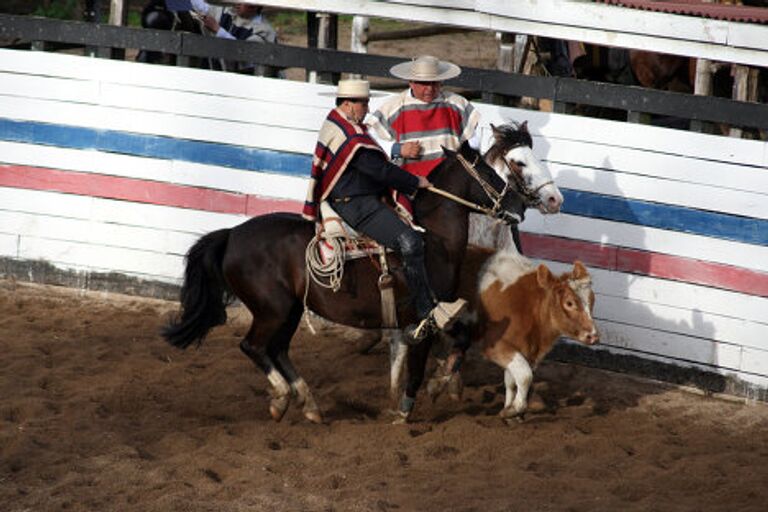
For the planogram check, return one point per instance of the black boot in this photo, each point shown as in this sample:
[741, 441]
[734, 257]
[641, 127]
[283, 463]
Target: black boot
[411, 247]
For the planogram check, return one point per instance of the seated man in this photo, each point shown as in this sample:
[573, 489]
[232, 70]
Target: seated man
[242, 21]
[352, 172]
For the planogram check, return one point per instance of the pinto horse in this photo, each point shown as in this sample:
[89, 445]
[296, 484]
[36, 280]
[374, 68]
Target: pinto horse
[262, 263]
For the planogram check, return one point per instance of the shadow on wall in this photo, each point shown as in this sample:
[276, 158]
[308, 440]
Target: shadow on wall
[642, 315]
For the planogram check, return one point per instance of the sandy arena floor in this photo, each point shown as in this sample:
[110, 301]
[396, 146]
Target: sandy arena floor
[98, 413]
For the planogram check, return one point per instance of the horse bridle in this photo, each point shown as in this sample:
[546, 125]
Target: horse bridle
[530, 195]
[496, 198]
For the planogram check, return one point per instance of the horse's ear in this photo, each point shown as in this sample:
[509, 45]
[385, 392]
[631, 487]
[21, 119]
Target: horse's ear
[496, 132]
[524, 126]
[448, 152]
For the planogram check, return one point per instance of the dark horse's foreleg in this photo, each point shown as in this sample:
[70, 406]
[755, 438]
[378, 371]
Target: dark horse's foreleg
[417, 363]
[447, 374]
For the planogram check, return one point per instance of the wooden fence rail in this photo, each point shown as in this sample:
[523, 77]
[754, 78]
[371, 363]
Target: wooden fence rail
[557, 89]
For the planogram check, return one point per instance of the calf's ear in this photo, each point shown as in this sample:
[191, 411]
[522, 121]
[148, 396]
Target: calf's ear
[544, 276]
[579, 270]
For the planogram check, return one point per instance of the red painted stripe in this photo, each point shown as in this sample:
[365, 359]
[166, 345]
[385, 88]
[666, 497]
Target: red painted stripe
[258, 205]
[140, 191]
[692, 271]
[566, 250]
[646, 263]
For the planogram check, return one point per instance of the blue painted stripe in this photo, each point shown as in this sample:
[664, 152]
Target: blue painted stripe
[212, 153]
[587, 204]
[666, 216]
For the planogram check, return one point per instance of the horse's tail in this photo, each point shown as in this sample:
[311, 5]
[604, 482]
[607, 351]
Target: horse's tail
[204, 295]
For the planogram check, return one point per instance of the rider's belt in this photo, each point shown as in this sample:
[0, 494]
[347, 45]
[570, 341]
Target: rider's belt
[341, 199]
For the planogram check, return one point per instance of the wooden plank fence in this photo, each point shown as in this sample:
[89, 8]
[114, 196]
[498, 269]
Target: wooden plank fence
[558, 89]
[109, 170]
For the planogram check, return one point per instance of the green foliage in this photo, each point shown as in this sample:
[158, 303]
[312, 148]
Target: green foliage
[288, 22]
[62, 9]
[134, 18]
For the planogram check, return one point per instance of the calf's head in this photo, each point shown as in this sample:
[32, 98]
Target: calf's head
[572, 302]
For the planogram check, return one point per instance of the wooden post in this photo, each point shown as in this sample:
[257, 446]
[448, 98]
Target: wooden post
[118, 16]
[359, 43]
[360, 30]
[740, 90]
[506, 57]
[702, 86]
[522, 44]
[118, 12]
[327, 30]
[505, 61]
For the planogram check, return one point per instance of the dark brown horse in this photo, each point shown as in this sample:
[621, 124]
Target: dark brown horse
[262, 263]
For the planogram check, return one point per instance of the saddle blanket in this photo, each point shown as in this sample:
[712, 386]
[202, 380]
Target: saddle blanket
[334, 228]
[355, 248]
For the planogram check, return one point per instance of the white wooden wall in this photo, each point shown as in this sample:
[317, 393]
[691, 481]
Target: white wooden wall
[573, 20]
[109, 166]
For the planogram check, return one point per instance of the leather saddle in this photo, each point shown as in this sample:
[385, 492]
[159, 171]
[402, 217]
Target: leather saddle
[356, 245]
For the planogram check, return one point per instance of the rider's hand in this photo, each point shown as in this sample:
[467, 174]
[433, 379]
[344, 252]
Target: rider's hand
[424, 182]
[211, 23]
[410, 149]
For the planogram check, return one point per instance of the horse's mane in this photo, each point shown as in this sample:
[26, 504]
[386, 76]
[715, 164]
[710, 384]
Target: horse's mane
[506, 137]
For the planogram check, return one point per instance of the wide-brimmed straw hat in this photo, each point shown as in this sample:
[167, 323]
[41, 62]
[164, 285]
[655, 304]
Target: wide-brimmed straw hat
[352, 89]
[425, 68]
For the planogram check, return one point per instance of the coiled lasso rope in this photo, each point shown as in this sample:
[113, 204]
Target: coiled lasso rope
[326, 274]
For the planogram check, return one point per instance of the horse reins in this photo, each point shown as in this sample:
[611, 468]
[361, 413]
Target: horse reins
[494, 196]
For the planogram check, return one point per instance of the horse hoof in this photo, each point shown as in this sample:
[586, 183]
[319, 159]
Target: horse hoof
[436, 386]
[455, 387]
[314, 417]
[277, 408]
[401, 418]
[516, 420]
[510, 413]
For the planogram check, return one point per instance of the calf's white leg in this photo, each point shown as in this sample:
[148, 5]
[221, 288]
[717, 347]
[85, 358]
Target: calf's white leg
[519, 374]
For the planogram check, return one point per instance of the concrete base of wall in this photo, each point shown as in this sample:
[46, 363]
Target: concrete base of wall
[42, 272]
[709, 382]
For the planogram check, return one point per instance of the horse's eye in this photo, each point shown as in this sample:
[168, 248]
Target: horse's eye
[520, 164]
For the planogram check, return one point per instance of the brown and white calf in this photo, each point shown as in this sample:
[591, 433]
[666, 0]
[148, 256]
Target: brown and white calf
[522, 311]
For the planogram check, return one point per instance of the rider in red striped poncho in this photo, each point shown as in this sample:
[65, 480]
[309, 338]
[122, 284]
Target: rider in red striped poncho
[352, 173]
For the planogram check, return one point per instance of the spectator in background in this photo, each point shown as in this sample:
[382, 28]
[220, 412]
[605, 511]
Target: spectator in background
[243, 22]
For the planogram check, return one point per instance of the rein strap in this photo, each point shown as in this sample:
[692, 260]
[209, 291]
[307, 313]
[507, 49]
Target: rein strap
[496, 197]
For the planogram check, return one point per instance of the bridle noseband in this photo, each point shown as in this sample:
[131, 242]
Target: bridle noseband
[530, 195]
[496, 198]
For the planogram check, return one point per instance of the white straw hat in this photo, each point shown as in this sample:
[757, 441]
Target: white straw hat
[426, 68]
[352, 89]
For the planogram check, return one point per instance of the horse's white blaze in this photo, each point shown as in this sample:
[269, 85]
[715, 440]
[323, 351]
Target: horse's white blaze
[506, 267]
[537, 177]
